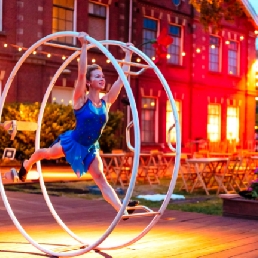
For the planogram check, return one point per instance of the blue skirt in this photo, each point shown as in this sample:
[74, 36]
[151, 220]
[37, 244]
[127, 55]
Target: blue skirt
[78, 156]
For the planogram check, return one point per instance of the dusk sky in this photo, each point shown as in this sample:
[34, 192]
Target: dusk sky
[254, 4]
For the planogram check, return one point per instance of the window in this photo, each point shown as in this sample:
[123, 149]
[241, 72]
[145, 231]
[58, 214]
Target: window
[62, 95]
[213, 125]
[233, 58]
[233, 123]
[149, 32]
[148, 119]
[63, 11]
[214, 54]
[174, 50]
[98, 27]
[170, 119]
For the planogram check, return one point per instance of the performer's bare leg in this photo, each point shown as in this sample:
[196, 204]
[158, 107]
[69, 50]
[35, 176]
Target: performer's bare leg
[54, 152]
[96, 171]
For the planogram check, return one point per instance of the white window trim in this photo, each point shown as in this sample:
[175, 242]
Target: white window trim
[107, 19]
[156, 136]
[158, 23]
[219, 125]
[74, 20]
[1, 15]
[181, 42]
[220, 52]
[238, 58]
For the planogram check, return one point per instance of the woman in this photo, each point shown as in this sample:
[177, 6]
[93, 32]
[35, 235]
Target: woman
[80, 146]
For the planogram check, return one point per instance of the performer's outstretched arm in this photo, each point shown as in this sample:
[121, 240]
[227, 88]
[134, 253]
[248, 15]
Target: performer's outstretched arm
[114, 91]
[80, 87]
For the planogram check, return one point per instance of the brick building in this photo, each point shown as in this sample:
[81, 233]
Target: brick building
[211, 75]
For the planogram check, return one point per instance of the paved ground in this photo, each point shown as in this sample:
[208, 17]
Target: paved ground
[50, 174]
[177, 234]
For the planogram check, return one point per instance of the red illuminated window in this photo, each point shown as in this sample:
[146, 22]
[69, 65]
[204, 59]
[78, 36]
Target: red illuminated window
[170, 120]
[214, 54]
[150, 27]
[174, 50]
[233, 58]
[214, 122]
[148, 119]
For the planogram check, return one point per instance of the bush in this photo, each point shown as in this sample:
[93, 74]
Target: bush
[57, 119]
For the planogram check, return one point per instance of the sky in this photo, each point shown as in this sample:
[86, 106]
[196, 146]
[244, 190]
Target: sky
[254, 3]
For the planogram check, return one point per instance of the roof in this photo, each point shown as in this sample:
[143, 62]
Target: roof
[249, 10]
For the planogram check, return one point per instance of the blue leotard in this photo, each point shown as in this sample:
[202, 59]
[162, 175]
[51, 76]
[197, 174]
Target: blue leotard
[81, 144]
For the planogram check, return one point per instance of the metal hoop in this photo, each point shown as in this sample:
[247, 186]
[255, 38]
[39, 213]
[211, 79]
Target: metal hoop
[137, 144]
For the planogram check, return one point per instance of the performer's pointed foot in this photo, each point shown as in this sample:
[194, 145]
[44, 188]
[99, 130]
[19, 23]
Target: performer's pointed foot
[132, 203]
[22, 172]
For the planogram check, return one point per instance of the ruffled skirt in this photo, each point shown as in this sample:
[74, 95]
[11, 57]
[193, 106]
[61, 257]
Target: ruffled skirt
[78, 156]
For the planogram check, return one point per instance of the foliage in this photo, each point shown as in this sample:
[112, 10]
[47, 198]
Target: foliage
[252, 190]
[109, 138]
[57, 119]
[212, 12]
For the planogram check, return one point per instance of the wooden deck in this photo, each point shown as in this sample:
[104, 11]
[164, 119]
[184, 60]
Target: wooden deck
[177, 234]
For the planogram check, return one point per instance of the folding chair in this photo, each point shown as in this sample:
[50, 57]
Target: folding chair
[150, 171]
[224, 176]
[188, 174]
[123, 169]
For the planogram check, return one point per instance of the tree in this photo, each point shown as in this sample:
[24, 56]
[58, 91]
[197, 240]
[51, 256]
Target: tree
[213, 12]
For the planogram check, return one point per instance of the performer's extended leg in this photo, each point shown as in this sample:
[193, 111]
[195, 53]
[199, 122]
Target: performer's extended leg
[96, 170]
[54, 152]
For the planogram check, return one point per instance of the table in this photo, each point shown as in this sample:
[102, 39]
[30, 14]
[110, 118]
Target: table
[220, 154]
[205, 170]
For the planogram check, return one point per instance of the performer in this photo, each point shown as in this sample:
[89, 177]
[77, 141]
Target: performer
[80, 146]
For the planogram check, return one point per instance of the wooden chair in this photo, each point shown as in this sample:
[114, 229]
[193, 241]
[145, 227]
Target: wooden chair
[224, 176]
[123, 169]
[187, 173]
[151, 170]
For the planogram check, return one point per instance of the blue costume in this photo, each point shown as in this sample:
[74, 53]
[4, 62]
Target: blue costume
[81, 144]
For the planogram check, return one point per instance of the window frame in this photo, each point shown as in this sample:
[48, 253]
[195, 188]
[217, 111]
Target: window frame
[170, 123]
[74, 19]
[219, 53]
[181, 38]
[237, 58]
[228, 137]
[155, 125]
[219, 122]
[106, 18]
[145, 47]
[1, 15]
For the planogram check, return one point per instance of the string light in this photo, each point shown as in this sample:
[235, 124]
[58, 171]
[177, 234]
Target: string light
[212, 46]
[78, 59]
[168, 56]
[19, 48]
[138, 60]
[108, 61]
[153, 58]
[227, 42]
[93, 60]
[198, 50]
[183, 53]
[256, 32]
[241, 37]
